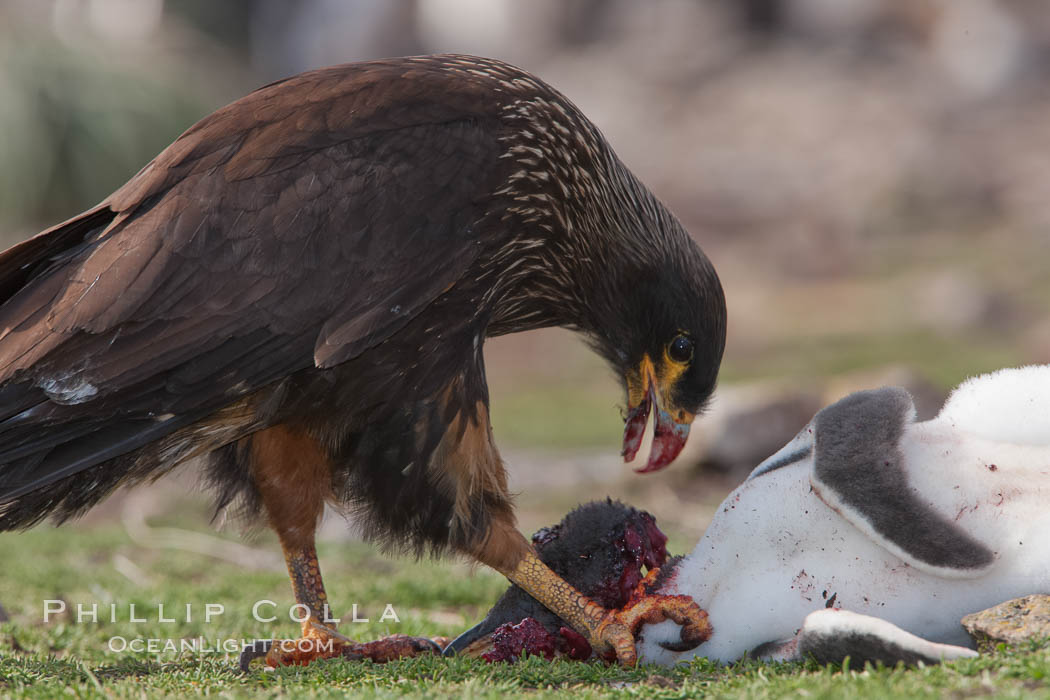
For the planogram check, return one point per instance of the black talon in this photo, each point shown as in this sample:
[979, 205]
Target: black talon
[688, 638]
[680, 645]
[258, 649]
[421, 644]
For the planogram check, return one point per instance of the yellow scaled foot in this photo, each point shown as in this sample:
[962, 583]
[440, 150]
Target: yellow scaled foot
[321, 642]
[618, 628]
[610, 632]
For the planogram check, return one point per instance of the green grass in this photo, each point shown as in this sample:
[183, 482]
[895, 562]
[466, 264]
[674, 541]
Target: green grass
[943, 359]
[551, 416]
[67, 658]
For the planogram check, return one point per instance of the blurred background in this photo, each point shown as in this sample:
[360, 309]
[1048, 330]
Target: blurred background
[870, 178]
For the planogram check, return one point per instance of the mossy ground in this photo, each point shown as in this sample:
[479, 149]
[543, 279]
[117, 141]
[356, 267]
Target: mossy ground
[91, 565]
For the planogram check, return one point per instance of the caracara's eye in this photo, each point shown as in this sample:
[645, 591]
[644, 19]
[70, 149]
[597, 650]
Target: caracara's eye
[680, 349]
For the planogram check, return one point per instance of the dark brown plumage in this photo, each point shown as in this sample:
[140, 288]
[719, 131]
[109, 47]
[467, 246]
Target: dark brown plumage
[300, 287]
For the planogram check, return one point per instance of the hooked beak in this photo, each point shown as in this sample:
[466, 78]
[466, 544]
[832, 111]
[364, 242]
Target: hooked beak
[669, 435]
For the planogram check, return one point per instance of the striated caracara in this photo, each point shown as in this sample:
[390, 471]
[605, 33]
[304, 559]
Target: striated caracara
[299, 287]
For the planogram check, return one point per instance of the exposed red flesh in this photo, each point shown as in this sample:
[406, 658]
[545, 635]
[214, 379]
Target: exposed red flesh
[638, 547]
[656, 553]
[509, 642]
[576, 645]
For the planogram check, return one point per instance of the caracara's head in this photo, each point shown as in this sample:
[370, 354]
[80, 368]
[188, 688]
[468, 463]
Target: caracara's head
[668, 352]
[593, 249]
[660, 321]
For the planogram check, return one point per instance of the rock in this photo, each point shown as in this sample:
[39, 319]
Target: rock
[1013, 622]
[954, 300]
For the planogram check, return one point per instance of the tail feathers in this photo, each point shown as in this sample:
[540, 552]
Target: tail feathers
[21, 406]
[79, 465]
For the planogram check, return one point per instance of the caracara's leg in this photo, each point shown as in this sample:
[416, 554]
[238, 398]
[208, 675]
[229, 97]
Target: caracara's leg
[507, 551]
[294, 480]
[478, 473]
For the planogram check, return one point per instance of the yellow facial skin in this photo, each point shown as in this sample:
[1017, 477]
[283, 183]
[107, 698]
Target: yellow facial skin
[662, 380]
[649, 390]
